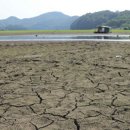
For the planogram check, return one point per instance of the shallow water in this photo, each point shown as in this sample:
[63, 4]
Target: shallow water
[66, 37]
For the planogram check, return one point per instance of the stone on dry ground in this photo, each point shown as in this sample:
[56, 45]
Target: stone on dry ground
[65, 86]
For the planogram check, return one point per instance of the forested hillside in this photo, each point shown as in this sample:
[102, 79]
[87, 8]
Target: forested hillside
[92, 20]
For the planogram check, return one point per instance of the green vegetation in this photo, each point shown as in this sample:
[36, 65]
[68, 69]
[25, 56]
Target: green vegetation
[122, 31]
[25, 32]
[109, 18]
[92, 20]
[22, 32]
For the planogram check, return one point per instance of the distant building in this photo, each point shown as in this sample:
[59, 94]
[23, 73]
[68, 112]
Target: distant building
[103, 29]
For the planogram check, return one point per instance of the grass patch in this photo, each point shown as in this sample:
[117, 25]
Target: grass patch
[25, 32]
[22, 32]
[121, 31]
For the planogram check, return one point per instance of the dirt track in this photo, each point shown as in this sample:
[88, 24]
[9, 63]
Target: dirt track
[68, 86]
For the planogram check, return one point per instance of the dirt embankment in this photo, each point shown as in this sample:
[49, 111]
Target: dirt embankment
[64, 86]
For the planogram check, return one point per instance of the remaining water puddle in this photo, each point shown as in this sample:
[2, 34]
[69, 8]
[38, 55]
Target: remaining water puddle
[62, 37]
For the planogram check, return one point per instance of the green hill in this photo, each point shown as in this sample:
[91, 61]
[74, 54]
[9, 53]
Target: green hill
[109, 18]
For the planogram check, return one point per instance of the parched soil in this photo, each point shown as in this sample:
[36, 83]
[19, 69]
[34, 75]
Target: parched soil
[64, 86]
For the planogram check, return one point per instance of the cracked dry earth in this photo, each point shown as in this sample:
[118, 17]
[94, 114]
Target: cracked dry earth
[64, 86]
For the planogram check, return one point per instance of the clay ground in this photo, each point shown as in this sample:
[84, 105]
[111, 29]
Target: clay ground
[64, 86]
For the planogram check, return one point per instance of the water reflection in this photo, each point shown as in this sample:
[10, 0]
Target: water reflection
[102, 37]
[68, 37]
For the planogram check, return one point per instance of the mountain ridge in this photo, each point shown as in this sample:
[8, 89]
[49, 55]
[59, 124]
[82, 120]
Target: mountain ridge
[59, 21]
[47, 21]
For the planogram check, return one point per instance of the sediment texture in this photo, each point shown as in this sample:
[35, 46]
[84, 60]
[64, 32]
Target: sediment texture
[65, 86]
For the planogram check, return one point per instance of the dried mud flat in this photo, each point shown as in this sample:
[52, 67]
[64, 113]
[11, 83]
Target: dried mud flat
[64, 86]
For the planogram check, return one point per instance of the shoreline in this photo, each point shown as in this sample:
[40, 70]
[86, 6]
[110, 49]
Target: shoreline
[67, 38]
[2, 43]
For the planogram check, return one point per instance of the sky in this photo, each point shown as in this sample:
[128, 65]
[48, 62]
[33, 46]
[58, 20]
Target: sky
[32, 8]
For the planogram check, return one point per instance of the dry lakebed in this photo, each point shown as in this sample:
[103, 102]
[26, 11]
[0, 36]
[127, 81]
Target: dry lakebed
[65, 85]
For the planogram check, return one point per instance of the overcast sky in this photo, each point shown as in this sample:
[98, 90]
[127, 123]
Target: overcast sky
[31, 8]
